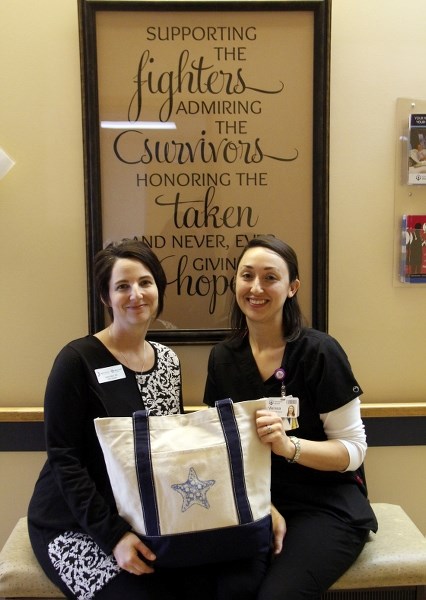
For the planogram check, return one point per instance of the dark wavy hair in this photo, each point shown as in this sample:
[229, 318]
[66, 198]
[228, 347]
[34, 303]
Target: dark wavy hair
[135, 250]
[293, 321]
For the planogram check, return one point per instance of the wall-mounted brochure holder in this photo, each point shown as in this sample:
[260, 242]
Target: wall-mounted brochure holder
[410, 193]
[413, 249]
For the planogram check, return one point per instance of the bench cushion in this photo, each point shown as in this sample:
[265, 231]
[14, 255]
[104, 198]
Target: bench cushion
[20, 574]
[394, 557]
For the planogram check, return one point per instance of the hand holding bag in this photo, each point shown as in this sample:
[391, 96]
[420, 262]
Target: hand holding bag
[194, 487]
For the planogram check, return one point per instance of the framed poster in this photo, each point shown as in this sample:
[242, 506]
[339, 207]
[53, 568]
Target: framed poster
[206, 124]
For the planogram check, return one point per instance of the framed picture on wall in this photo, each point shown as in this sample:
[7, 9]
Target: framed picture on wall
[205, 125]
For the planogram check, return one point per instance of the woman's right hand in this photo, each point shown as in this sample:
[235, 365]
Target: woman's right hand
[127, 553]
[279, 528]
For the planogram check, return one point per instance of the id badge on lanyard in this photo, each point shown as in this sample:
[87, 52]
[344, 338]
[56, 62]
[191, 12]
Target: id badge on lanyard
[287, 407]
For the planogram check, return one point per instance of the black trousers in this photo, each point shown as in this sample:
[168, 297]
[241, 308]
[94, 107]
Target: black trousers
[317, 549]
[235, 580]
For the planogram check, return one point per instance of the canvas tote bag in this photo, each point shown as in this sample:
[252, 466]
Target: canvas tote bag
[194, 487]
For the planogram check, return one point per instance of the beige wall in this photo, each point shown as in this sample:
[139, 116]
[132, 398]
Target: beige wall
[375, 59]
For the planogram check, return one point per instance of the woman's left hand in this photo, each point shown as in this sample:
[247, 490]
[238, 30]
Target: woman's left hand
[325, 455]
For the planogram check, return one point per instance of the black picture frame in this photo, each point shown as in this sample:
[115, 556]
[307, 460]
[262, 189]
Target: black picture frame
[320, 12]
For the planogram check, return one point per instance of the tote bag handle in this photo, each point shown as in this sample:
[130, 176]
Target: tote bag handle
[146, 476]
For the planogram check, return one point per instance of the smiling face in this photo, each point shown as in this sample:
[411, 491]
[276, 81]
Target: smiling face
[133, 293]
[263, 285]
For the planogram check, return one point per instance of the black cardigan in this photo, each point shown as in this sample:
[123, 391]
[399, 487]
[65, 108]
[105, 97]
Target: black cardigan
[73, 492]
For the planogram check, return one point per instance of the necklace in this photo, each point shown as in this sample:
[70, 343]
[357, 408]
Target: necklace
[126, 360]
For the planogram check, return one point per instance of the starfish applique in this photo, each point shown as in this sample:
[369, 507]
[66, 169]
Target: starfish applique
[193, 490]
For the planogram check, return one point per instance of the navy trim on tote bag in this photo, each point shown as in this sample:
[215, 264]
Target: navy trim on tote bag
[145, 473]
[235, 452]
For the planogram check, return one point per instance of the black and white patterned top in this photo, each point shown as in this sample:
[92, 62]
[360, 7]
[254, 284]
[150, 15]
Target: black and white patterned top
[160, 387]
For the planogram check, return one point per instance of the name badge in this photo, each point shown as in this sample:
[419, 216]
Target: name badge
[287, 408]
[110, 373]
[277, 405]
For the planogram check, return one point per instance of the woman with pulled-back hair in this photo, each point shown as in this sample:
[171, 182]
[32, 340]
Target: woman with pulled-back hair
[292, 318]
[320, 512]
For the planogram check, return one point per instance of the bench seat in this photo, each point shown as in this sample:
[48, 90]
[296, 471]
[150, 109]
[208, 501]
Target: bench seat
[393, 561]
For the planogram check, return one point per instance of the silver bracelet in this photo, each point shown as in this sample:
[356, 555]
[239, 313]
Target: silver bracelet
[297, 451]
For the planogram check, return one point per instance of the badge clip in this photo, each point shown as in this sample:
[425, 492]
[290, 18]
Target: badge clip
[280, 375]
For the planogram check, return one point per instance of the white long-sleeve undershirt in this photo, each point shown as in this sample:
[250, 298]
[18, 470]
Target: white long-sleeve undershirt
[345, 424]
